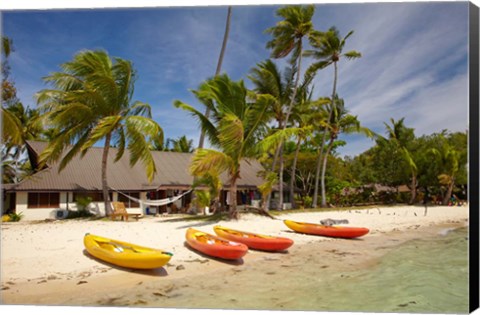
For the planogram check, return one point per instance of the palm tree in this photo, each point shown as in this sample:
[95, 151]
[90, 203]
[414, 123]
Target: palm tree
[306, 114]
[11, 126]
[231, 128]
[181, 144]
[402, 137]
[340, 122]
[268, 79]
[449, 158]
[219, 65]
[211, 196]
[328, 47]
[20, 124]
[91, 101]
[288, 36]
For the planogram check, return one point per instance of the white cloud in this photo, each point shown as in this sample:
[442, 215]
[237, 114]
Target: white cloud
[413, 63]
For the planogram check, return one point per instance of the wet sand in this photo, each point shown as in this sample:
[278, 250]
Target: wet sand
[45, 263]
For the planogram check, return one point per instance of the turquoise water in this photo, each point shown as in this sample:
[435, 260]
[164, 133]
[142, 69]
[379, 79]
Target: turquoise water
[420, 276]
[428, 275]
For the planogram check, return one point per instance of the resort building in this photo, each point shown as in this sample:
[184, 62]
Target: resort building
[43, 194]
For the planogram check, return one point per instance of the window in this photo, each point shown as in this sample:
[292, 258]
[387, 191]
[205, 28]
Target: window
[43, 200]
[129, 203]
[95, 196]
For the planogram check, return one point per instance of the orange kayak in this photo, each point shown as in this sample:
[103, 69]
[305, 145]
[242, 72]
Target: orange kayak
[215, 246]
[324, 230]
[254, 241]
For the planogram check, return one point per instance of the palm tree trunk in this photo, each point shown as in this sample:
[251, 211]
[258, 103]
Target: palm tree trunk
[448, 194]
[414, 189]
[334, 92]
[106, 200]
[275, 158]
[232, 209]
[287, 117]
[219, 67]
[280, 178]
[324, 169]
[295, 88]
[292, 178]
[317, 173]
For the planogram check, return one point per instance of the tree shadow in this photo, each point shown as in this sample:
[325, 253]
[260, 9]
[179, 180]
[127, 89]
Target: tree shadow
[273, 252]
[194, 224]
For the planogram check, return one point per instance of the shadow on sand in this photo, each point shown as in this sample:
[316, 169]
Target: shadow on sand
[157, 272]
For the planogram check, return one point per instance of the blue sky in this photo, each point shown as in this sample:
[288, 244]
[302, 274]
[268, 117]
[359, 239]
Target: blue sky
[414, 63]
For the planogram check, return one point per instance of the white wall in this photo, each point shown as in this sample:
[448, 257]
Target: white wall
[98, 208]
[32, 214]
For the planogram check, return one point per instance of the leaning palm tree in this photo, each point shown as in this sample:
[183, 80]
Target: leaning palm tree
[268, 79]
[91, 100]
[219, 66]
[231, 128]
[307, 113]
[340, 122]
[328, 49]
[451, 166]
[288, 36]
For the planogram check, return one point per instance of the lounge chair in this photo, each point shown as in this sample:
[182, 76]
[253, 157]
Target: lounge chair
[119, 210]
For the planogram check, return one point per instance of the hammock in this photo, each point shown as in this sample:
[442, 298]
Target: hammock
[157, 202]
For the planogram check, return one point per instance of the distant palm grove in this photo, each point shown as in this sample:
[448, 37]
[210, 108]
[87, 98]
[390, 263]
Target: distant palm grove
[281, 122]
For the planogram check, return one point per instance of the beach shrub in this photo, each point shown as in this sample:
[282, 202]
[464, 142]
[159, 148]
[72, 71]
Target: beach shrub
[202, 199]
[307, 202]
[82, 208]
[15, 217]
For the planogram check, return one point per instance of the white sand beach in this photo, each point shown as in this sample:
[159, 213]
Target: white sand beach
[44, 263]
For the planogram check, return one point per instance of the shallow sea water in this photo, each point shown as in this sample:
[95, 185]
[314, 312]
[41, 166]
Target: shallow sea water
[420, 276]
[428, 275]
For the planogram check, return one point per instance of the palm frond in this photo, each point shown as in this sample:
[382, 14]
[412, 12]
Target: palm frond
[139, 148]
[352, 54]
[205, 122]
[78, 147]
[278, 137]
[11, 128]
[104, 127]
[120, 142]
[231, 134]
[208, 160]
[141, 109]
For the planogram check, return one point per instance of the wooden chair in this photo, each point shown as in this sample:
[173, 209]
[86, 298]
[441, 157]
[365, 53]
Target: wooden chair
[119, 210]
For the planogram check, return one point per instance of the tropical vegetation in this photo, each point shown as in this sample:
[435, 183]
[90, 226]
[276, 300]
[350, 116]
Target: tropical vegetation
[282, 122]
[236, 117]
[91, 100]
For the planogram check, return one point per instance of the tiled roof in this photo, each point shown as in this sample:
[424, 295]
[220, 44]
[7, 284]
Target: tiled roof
[84, 173]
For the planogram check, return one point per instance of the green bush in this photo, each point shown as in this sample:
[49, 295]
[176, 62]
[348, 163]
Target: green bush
[307, 202]
[82, 210]
[15, 217]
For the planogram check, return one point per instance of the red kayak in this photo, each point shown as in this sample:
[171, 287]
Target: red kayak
[325, 230]
[254, 241]
[215, 246]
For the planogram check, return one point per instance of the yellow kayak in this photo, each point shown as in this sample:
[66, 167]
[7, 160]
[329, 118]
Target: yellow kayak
[125, 254]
